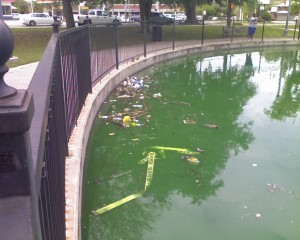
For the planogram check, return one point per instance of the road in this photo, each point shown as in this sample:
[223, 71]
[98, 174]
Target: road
[19, 24]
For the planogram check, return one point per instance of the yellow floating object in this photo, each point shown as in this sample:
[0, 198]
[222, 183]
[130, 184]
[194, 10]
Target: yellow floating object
[126, 120]
[118, 203]
[150, 169]
[180, 150]
[193, 160]
[150, 158]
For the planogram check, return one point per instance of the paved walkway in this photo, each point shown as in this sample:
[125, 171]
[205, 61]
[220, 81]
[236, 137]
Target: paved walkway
[20, 77]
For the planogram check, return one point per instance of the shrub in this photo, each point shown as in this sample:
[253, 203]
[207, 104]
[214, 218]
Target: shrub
[266, 16]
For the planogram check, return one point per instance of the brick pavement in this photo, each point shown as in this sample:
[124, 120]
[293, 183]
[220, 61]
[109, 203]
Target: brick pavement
[20, 77]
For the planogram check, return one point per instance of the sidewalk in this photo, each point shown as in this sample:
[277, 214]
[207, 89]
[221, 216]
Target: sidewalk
[20, 77]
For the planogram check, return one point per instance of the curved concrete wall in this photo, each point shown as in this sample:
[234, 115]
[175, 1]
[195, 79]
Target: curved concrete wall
[80, 136]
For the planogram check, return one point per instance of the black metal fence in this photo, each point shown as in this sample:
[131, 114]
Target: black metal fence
[118, 43]
[75, 60]
[61, 84]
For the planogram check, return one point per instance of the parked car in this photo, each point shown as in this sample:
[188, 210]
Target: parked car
[180, 16]
[15, 16]
[96, 16]
[34, 19]
[199, 17]
[135, 18]
[157, 18]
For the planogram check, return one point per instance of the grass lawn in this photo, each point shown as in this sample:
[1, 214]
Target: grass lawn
[29, 44]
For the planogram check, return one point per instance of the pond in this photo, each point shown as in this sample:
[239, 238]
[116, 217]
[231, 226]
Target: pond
[223, 132]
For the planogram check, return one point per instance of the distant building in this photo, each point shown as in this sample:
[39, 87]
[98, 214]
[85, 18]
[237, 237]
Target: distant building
[7, 8]
[280, 11]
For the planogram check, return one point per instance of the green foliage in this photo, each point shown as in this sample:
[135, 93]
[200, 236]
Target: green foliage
[38, 7]
[21, 5]
[265, 16]
[295, 7]
[210, 10]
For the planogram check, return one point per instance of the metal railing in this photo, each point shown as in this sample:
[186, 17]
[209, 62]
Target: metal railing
[77, 59]
[114, 44]
[61, 82]
[84, 56]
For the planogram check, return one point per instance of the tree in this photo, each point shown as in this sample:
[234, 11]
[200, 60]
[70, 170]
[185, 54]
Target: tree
[21, 5]
[38, 7]
[68, 13]
[295, 7]
[145, 9]
[190, 8]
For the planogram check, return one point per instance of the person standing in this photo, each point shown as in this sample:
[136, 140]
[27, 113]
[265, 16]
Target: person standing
[252, 26]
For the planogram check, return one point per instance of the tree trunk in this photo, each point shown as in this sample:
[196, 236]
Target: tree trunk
[229, 13]
[190, 8]
[145, 10]
[68, 13]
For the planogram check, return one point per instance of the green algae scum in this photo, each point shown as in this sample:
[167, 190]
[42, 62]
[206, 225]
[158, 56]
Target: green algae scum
[223, 131]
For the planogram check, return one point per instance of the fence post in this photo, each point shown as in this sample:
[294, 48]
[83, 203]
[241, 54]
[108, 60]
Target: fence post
[299, 32]
[116, 24]
[232, 30]
[263, 31]
[295, 30]
[202, 36]
[55, 25]
[144, 24]
[19, 217]
[173, 33]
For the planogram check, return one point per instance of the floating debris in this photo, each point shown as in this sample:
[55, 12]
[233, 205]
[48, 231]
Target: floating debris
[254, 165]
[200, 150]
[191, 159]
[187, 121]
[114, 175]
[137, 105]
[258, 215]
[156, 95]
[210, 125]
[271, 187]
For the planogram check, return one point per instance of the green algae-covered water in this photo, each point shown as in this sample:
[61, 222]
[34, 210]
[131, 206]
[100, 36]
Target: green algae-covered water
[246, 185]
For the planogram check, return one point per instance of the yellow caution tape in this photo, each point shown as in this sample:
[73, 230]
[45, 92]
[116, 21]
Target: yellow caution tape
[180, 150]
[150, 158]
[118, 203]
[143, 160]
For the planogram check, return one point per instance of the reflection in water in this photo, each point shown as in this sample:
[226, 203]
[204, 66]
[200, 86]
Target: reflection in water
[287, 102]
[248, 62]
[186, 201]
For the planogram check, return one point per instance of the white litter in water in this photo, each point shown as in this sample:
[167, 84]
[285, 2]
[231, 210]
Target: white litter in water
[254, 165]
[258, 215]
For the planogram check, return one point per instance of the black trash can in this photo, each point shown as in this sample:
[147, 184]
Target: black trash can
[156, 33]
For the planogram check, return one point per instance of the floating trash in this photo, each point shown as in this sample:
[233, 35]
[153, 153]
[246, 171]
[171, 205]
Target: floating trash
[156, 95]
[102, 117]
[137, 106]
[258, 215]
[191, 159]
[187, 121]
[210, 125]
[200, 150]
[271, 187]
[254, 165]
